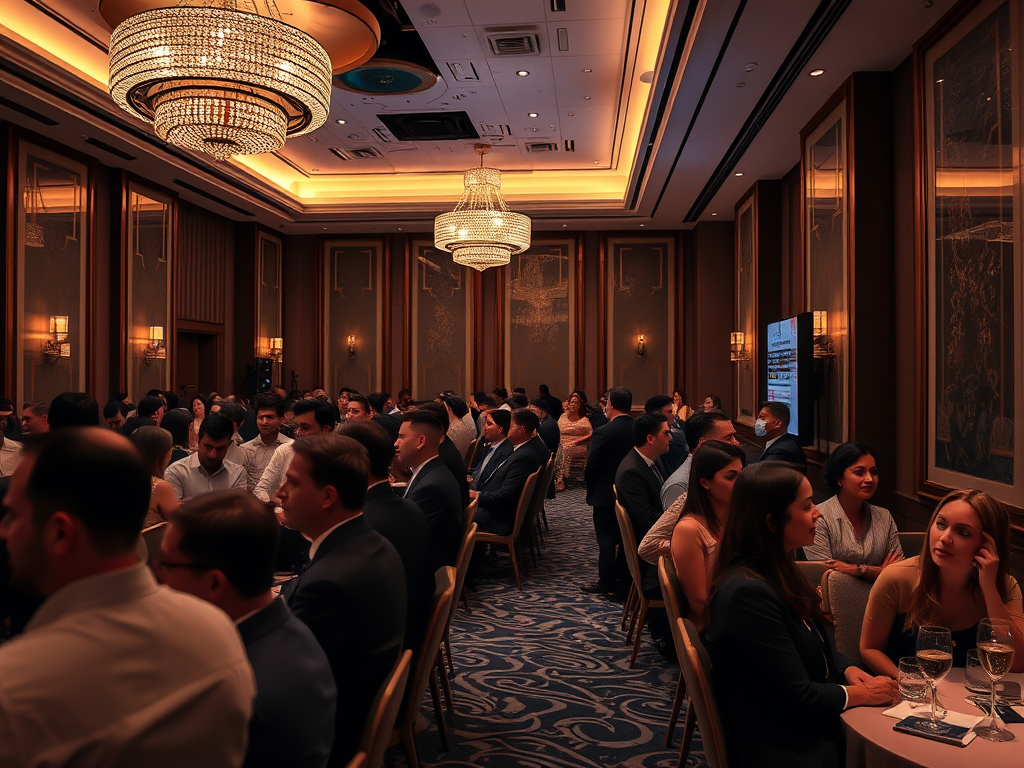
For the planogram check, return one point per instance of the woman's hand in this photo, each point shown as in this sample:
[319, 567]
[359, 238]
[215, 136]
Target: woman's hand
[847, 568]
[892, 557]
[987, 562]
[856, 675]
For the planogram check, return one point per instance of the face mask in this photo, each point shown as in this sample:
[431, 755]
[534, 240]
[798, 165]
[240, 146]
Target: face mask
[760, 427]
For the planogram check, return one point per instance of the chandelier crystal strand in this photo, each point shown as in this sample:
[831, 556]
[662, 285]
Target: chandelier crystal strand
[482, 232]
[218, 80]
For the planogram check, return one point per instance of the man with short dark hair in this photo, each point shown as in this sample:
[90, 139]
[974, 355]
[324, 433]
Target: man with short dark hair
[73, 409]
[554, 404]
[497, 423]
[773, 424]
[235, 412]
[310, 417]
[386, 415]
[677, 450]
[700, 427]
[351, 590]
[112, 669]
[256, 453]
[547, 428]
[447, 450]
[149, 413]
[34, 418]
[115, 414]
[358, 409]
[207, 469]
[221, 548]
[608, 447]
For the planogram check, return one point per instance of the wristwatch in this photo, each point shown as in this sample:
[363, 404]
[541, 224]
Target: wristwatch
[862, 568]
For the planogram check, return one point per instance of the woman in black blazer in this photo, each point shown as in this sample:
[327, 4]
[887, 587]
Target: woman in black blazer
[779, 682]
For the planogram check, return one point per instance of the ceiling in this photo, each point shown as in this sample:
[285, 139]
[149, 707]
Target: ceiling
[650, 113]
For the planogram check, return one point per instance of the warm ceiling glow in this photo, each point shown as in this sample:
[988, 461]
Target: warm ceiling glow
[816, 72]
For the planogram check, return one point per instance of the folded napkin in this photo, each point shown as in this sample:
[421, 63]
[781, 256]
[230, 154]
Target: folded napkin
[903, 710]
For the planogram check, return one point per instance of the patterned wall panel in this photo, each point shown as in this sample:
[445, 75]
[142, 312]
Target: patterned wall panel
[353, 308]
[641, 284]
[540, 317]
[268, 293]
[746, 311]
[441, 308]
[205, 243]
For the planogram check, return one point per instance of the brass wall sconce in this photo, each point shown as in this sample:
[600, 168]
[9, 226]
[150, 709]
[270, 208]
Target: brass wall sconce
[823, 346]
[641, 345]
[56, 346]
[277, 349]
[155, 350]
[351, 347]
[738, 347]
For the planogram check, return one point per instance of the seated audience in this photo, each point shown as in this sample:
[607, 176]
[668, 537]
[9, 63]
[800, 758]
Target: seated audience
[115, 413]
[351, 589]
[235, 412]
[460, 432]
[680, 410]
[854, 537]
[35, 418]
[310, 417]
[547, 427]
[112, 670]
[358, 408]
[207, 469]
[10, 451]
[154, 446]
[497, 423]
[677, 452]
[772, 423]
[222, 549]
[386, 414]
[554, 404]
[200, 408]
[959, 578]
[257, 452]
[149, 413]
[779, 683]
[713, 404]
[73, 409]
[449, 453]
[574, 431]
[699, 428]
[177, 423]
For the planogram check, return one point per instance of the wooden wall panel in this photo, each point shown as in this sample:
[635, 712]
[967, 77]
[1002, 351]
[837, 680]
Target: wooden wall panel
[205, 245]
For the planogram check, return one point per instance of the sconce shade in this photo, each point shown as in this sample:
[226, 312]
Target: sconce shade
[737, 339]
[59, 326]
[820, 323]
[276, 344]
[156, 333]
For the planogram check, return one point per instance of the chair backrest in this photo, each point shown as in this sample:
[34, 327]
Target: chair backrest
[153, 536]
[444, 593]
[696, 668]
[629, 543]
[471, 452]
[384, 713]
[525, 501]
[461, 569]
[912, 542]
[358, 761]
[812, 570]
[846, 598]
[539, 492]
[676, 604]
[468, 514]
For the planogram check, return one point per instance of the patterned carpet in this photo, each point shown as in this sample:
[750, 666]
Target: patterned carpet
[542, 678]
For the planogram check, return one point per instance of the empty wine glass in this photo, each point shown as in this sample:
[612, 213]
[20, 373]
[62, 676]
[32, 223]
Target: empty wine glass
[995, 652]
[935, 658]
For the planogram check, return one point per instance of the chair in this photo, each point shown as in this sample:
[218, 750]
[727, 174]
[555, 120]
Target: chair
[696, 668]
[381, 722]
[421, 675]
[358, 761]
[512, 540]
[530, 525]
[153, 536]
[472, 451]
[912, 542]
[461, 569]
[467, 521]
[633, 561]
[812, 570]
[846, 599]
[675, 604]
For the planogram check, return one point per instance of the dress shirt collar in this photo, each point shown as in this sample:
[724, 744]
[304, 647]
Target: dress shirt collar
[319, 539]
[648, 462]
[499, 442]
[258, 440]
[773, 441]
[418, 468]
[95, 592]
[193, 463]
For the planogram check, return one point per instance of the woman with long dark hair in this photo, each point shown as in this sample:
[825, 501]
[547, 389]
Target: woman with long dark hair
[779, 682]
[154, 446]
[958, 579]
[200, 407]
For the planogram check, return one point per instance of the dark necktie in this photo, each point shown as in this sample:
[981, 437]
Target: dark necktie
[657, 474]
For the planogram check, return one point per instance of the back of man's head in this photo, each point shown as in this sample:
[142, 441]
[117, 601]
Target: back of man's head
[378, 401]
[340, 462]
[172, 399]
[500, 393]
[73, 409]
[779, 410]
[543, 389]
[526, 419]
[620, 399]
[520, 400]
[149, 405]
[645, 426]
[103, 483]
[232, 532]
[216, 426]
[233, 411]
[439, 411]
[699, 425]
[114, 407]
[542, 405]
[325, 414]
[656, 403]
[377, 442]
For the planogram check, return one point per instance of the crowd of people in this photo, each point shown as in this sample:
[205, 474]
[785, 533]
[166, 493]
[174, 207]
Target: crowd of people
[362, 499]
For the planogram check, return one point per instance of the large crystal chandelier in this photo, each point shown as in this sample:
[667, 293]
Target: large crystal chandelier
[482, 232]
[220, 80]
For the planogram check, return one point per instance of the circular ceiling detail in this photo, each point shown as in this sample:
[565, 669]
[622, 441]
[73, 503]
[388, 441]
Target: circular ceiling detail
[386, 77]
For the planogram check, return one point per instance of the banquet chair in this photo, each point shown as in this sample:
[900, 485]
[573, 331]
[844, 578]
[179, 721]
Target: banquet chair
[696, 668]
[629, 548]
[677, 607]
[461, 569]
[422, 672]
[153, 536]
[512, 540]
[846, 599]
[384, 713]
[471, 451]
[912, 542]
[531, 526]
[812, 570]
[467, 522]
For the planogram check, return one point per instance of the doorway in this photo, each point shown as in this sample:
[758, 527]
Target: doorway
[197, 361]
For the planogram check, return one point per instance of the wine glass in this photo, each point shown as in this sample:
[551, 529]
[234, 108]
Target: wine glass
[913, 686]
[995, 652]
[935, 658]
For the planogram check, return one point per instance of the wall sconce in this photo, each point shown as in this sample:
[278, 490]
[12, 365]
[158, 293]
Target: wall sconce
[738, 347]
[641, 345]
[155, 350]
[351, 347]
[823, 346]
[56, 347]
[276, 349]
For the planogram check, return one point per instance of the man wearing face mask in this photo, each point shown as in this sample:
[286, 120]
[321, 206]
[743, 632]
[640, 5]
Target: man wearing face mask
[773, 423]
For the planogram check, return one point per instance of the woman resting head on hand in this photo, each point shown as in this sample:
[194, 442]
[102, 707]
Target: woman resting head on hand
[958, 579]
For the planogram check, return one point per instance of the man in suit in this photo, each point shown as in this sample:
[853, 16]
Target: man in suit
[448, 451]
[547, 427]
[773, 423]
[222, 548]
[677, 449]
[497, 423]
[432, 487]
[351, 590]
[554, 404]
[608, 446]
[399, 521]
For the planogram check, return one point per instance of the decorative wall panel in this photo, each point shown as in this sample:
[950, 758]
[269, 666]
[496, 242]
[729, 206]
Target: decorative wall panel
[440, 317]
[53, 230]
[747, 404]
[353, 314]
[268, 296]
[541, 317]
[205, 243]
[149, 260]
[642, 314]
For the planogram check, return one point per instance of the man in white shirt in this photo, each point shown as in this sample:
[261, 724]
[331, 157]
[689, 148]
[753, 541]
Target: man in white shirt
[311, 417]
[699, 428]
[10, 451]
[207, 469]
[113, 670]
[258, 451]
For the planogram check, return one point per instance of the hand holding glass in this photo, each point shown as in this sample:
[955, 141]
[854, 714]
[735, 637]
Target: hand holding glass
[935, 658]
[995, 652]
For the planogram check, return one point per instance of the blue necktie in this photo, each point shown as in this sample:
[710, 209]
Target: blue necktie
[480, 469]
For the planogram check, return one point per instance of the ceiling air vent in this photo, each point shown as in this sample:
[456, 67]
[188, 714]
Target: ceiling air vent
[108, 148]
[514, 43]
[494, 129]
[362, 153]
[429, 126]
[541, 146]
[570, 145]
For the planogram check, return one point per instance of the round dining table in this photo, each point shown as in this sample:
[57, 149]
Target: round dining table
[871, 741]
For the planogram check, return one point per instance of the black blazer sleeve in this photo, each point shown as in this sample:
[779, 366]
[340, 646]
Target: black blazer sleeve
[635, 496]
[512, 477]
[595, 456]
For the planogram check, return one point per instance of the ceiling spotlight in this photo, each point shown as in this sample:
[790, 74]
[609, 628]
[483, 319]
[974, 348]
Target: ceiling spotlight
[597, 162]
[714, 214]
[564, 225]
[586, 98]
[522, 73]
[739, 173]
[531, 114]
[641, 225]
[340, 122]
[816, 72]
[587, 71]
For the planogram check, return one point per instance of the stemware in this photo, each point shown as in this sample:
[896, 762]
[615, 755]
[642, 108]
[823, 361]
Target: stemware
[912, 684]
[995, 652]
[935, 658]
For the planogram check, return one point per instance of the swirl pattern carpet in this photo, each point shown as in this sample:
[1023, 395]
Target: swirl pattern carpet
[542, 677]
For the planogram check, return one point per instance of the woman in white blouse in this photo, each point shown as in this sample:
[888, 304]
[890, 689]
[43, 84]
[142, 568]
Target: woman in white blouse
[854, 537]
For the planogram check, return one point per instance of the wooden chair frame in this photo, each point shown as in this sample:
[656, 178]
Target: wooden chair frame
[512, 540]
[696, 668]
[677, 608]
[629, 547]
[384, 713]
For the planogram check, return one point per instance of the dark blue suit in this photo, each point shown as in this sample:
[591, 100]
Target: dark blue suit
[436, 493]
[352, 596]
[608, 447]
[501, 452]
[787, 449]
[293, 720]
[500, 488]
[548, 432]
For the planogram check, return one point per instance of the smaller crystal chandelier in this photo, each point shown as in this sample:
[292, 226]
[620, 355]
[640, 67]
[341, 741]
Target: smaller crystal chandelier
[482, 232]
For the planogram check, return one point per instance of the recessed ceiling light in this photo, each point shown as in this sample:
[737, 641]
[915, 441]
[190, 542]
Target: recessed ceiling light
[816, 72]
[714, 214]
[531, 114]
[523, 73]
[597, 162]
[586, 98]
[340, 122]
[739, 173]
[564, 225]
[587, 71]
[641, 225]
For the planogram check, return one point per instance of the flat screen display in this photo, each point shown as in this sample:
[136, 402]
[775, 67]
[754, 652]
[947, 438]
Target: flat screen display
[790, 363]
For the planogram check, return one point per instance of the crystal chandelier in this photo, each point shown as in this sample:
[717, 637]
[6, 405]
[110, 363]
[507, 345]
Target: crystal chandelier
[219, 80]
[482, 232]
